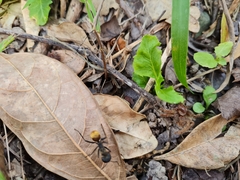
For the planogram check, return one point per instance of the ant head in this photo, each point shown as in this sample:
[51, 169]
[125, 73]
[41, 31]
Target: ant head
[95, 135]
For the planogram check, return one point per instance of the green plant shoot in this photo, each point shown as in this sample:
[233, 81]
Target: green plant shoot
[147, 63]
[179, 34]
[39, 10]
[91, 12]
[209, 96]
[2, 177]
[198, 107]
[6, 42]
[207, 60]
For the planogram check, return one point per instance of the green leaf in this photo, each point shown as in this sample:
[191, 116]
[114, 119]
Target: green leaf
[223, 49]
[147, 61]
[6, 42]
[158, 83]
[2, 177]
[140, 80]
[39, 10]
[221, 61]
[198, 107]
[209, 95]
[169, 95]
[205, 59]
[179, 34]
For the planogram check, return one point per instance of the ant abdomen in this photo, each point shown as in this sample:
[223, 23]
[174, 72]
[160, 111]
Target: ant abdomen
[106, 158]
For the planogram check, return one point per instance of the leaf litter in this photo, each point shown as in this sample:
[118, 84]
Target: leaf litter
[139, 22]
[57, 99]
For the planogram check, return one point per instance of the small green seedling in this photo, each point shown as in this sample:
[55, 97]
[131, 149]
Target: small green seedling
[147, 63]
[6, 42]
[209, 96]
[207, 60]
[39, 10]
[2, 177]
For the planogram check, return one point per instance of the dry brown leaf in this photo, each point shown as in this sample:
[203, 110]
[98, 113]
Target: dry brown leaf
[110, 29]
[133, 136]
[13, 12]
[42, 102]
[30, 24]
[69, 58]
[74, 9]
[194, 14]
[228, 104]
[70, 32]
[202, 150]
[107, 5]
[165, 5]
[236, 74]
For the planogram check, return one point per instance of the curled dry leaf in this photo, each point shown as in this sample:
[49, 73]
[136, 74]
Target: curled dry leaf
[70, 32]
[165, 6]
[201, 149]
[42, 102]
[69, 58]
[133, 136]
[110, 29]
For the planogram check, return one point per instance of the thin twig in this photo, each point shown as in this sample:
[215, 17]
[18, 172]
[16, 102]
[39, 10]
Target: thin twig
[198, 76]
[85, 52]
[232, 38]
[8, 154]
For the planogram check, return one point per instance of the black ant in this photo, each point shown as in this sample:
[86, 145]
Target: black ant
[105, 152]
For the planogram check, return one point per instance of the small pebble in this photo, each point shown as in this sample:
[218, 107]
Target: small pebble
[151, 117]
[152, 124]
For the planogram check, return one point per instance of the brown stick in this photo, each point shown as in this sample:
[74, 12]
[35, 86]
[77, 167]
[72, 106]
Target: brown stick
[147, 96]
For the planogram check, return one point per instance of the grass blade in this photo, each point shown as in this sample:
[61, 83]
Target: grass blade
[179, 33]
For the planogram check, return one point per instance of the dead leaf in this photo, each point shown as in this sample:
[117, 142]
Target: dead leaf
[155, 8]
[69, 58]
[228, 104]
[42, 102]
[132, 177]
[201, 149]
[170, 74]
[236, 74]
[30, 25]
[74, 10]
[110, 29]
[133, 135]
[194, 14]
[107, 5]
[13, 12]
[70, 32]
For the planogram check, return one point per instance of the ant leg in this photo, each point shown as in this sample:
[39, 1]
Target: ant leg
[94, 151]
[107, 149]
[83, 137]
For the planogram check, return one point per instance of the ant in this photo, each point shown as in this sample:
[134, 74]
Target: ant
[105, 152]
